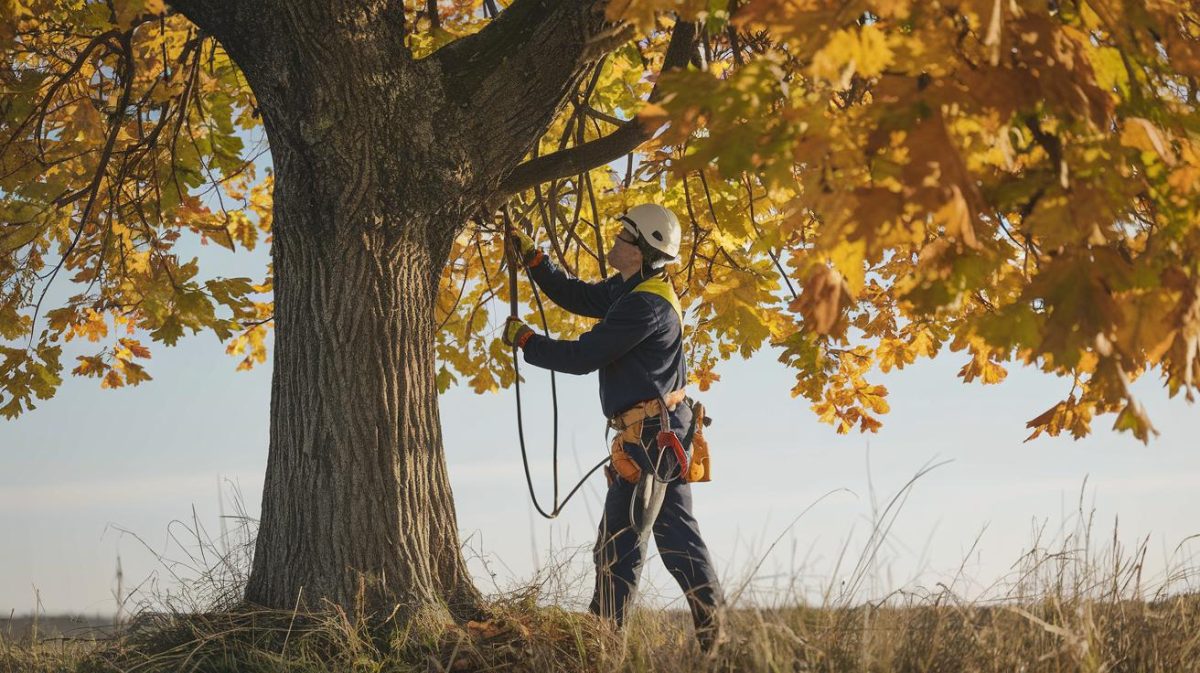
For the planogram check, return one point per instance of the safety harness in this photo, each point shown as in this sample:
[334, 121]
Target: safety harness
[628, 424]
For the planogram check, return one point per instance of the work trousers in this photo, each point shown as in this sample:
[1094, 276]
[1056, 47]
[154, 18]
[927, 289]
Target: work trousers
[632, 512]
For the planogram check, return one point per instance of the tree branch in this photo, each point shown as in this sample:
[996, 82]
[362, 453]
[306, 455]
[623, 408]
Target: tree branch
[431, 8]
[515, 39]
[510, 79]
[204, 13]
[611, 147]
[234, 23]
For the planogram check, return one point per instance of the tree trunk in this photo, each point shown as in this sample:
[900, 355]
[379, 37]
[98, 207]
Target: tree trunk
[357, 507]
[379, 161]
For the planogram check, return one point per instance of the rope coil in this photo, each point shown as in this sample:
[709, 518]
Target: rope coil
[513, 310]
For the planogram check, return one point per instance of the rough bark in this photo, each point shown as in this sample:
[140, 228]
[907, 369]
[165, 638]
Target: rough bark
[379, 161]
[357, 508]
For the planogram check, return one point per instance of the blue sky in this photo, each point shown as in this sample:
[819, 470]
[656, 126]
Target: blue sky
[90, 463]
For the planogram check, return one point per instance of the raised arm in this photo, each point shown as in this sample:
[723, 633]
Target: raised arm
[577, 296]
[630, 322]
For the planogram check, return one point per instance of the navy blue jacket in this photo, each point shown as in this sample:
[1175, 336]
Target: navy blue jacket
[637, 345]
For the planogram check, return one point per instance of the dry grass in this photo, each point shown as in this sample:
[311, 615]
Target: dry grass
[1074, 605]
[929, 635]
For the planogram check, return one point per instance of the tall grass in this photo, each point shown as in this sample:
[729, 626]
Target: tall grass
[1076, 601]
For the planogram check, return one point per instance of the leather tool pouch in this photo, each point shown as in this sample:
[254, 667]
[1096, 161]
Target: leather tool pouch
[624, 465]
[700, 468]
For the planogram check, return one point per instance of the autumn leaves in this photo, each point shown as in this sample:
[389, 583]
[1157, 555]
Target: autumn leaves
[1014, 180]
[121, 129]
[862, 184]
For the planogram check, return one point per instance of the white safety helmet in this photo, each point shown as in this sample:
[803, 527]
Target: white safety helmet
[657, 227]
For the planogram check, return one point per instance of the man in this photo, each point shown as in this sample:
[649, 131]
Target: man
[638, 349]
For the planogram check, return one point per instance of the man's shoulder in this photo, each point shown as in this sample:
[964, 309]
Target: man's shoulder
[650, 307]
[632, 302]
[661, 295]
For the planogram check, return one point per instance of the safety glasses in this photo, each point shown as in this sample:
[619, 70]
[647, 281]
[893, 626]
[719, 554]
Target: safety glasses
[628, 233]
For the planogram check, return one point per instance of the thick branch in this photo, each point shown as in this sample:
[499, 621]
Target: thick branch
[611, 147]
[512, 77]
[218, 18]
[516, 41]
[240, 26]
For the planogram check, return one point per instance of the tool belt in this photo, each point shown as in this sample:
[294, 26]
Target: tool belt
[629, 423]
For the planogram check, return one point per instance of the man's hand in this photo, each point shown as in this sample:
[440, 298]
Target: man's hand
[522, 247]
[516, 332]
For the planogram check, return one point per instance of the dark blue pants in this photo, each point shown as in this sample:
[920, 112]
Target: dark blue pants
[619, 555]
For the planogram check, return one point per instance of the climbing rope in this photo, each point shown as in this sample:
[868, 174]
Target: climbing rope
[512, 305]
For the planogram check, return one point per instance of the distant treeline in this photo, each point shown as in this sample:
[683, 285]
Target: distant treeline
[55, 626]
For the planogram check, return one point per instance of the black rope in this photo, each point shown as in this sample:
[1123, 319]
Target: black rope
[512, 304]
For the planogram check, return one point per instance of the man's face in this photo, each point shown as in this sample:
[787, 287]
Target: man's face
[625, 255]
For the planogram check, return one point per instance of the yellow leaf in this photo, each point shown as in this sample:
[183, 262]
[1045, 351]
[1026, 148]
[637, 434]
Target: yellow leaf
[112, 380]
[863, 51]
[849, 258]
[1144, 135]
[955, 216]
[822, 299]
[94, 327]
[135, 348]
[90, 366]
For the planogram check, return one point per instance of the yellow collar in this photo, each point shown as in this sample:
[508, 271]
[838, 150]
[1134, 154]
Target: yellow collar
[656, 285]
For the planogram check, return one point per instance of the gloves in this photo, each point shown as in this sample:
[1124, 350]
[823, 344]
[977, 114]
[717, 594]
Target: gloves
[516, 332]
[523, 248]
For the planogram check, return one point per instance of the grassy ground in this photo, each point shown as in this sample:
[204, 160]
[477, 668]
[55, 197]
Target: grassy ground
[926, 634]
[1069, 605]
